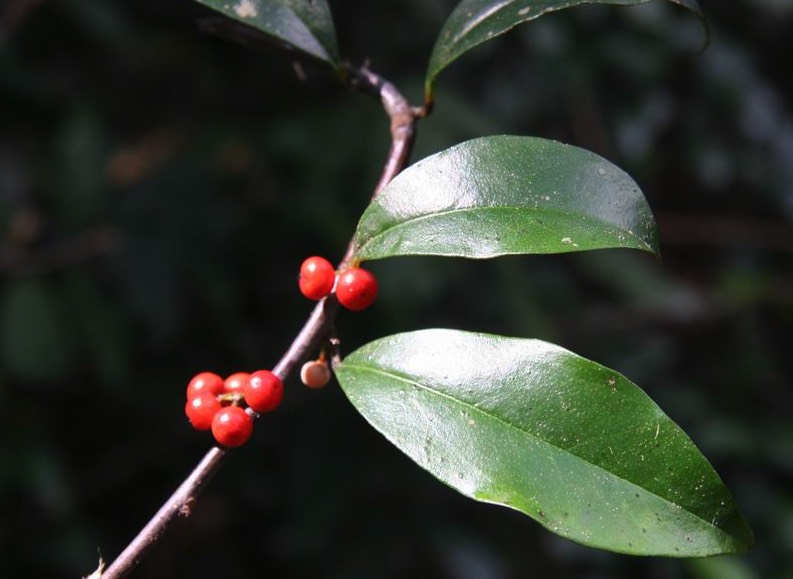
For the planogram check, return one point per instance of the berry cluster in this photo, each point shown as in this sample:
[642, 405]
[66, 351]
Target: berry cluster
[216, 404]
[219, 405]
[356, 288]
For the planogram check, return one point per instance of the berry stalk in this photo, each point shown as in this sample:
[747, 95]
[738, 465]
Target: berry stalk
[317, 330]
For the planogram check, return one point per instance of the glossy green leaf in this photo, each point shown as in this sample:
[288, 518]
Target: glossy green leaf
[534, 427]
[506, 195]
[305, 25]
[476, 21]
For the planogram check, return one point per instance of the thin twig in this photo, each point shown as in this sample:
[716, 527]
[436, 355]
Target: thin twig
[403, 120]
[317, 329]
[179, 503]
[403, 129]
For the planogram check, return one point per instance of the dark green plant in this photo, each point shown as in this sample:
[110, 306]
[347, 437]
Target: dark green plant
[512, 421]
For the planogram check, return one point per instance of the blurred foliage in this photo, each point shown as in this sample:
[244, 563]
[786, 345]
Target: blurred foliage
[159, 188]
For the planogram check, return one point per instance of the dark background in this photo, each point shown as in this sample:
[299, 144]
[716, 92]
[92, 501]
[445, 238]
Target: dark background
[159, 188]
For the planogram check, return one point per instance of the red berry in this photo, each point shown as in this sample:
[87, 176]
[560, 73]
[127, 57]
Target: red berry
[317, 277]
[232, 426]
[356, 289]
[263, 391]
[201, 409]
[315, 374]
[235, 382]
[205, 382]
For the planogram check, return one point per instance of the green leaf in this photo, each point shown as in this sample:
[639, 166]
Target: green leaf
[305, 25]
[476, 21]
[506, 195]
[534, 427]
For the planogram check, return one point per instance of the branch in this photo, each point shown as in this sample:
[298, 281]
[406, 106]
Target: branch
[403, 120]
[179, 503]
[317, 330]
[403, 129]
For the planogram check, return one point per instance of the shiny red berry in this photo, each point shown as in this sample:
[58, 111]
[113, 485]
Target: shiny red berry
[201, 409]
[263, 391]
[232, 426]
[205, 383]
[315, 374]
[356, 289]
[317, 277]
[235, 382]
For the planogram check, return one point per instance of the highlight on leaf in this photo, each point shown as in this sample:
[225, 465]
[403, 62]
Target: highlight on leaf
[503, 195]
[532, 426]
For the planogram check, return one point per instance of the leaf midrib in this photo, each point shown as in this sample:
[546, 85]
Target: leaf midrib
[514, 208]
[498, 419]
